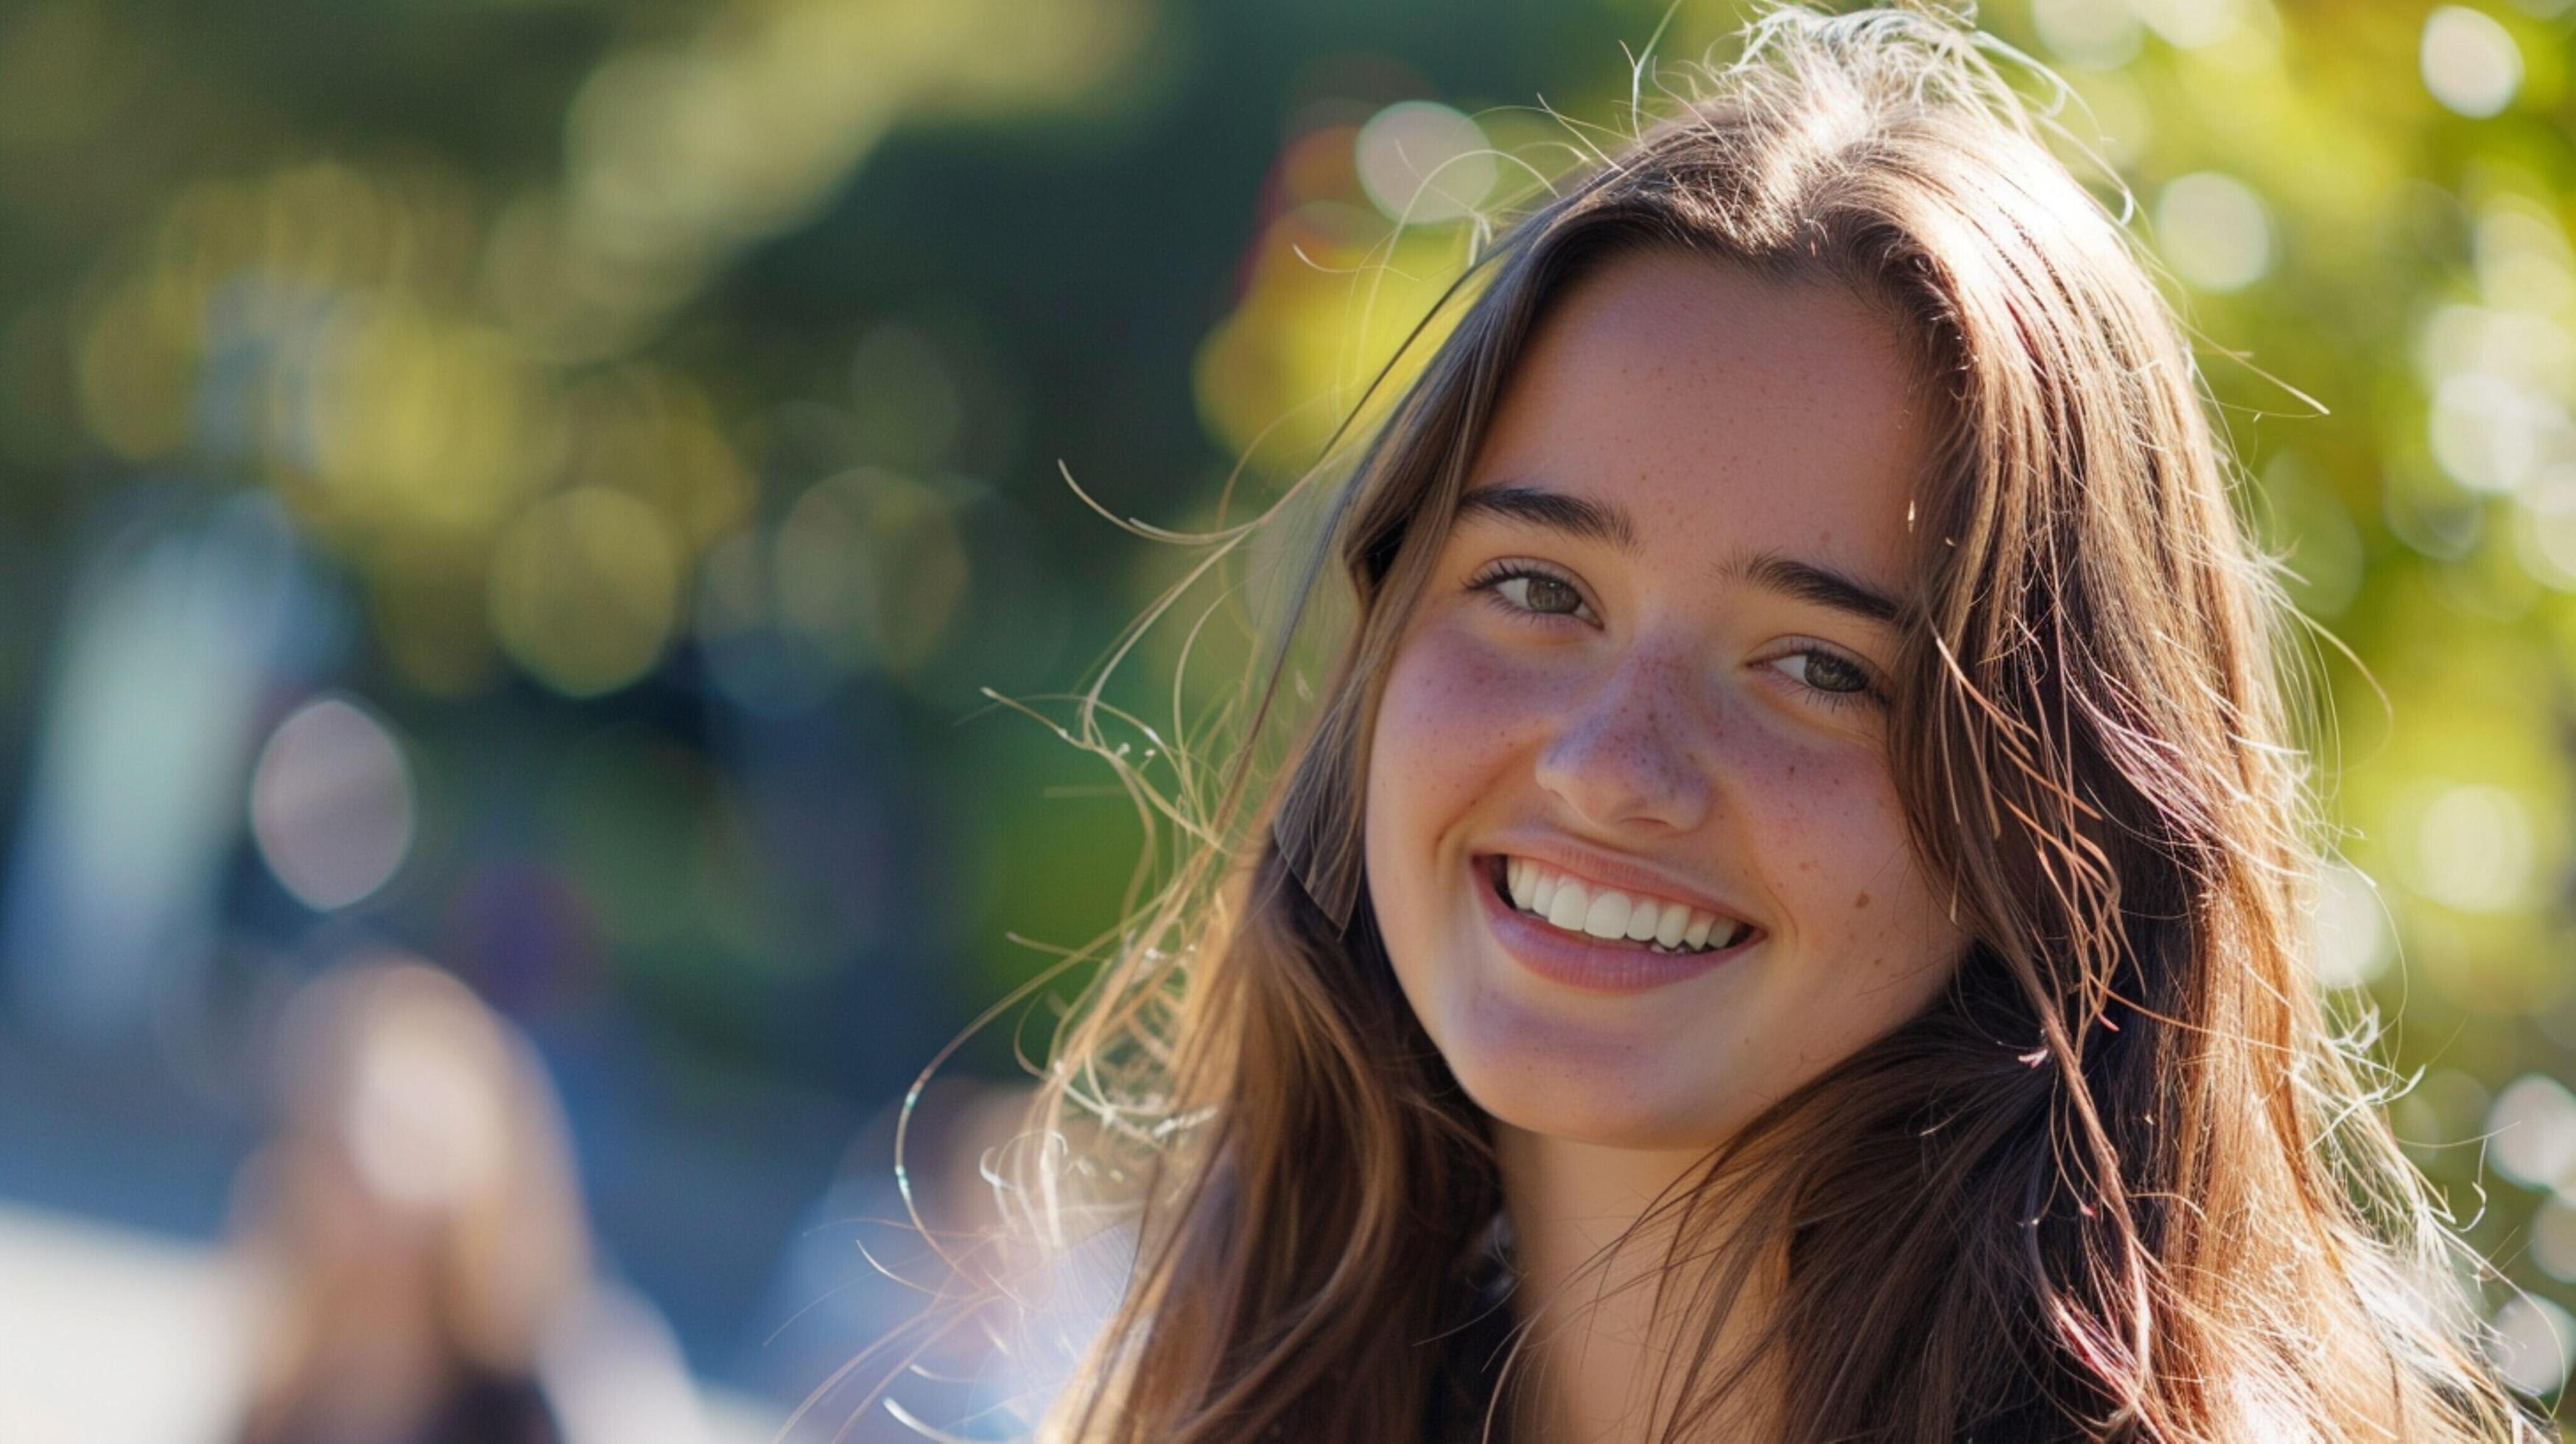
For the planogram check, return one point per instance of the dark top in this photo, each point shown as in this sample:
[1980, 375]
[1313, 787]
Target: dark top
[483, 1408]
[1476, 1345]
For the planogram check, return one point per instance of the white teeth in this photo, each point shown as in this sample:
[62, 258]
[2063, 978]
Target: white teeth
[1670, 927]
[1641, 920]
[1612, 915]
[1608, 917]
[1571, 907]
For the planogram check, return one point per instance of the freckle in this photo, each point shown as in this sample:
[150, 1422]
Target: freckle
[1860, 902]
[1874, 962]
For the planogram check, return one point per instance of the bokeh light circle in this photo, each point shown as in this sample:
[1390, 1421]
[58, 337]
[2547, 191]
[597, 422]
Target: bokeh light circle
[873, 569]
[2191, 24]
[584, 590]
[2545, 533]
[2533, 1127]
[2353, 940]
[2470, 62]
[2093, 34]
[2474, 850]
[1423, 162]
[2535, 1341]
[2553, 1238]
[2490, 433]
[331, 804]
[2214, 231]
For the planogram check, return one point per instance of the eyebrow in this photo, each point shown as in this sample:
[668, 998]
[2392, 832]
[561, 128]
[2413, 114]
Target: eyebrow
[1578, 517]
[1610, 524]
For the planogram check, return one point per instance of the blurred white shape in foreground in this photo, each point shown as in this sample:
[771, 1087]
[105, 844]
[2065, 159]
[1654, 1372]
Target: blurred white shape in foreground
[110, 1336]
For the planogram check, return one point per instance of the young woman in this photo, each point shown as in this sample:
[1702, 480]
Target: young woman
[1788, 922]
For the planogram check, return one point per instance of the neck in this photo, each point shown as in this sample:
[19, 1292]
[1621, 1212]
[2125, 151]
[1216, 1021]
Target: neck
[1588, 1282]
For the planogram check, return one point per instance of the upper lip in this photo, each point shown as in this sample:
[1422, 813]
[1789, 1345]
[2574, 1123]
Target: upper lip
[1613, 871]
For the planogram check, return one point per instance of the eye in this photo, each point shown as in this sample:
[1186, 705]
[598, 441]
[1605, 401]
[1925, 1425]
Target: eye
[1524, 589]
[1833, 679]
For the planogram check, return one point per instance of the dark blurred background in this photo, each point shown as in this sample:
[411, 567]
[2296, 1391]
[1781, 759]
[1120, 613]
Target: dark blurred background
[540, 487]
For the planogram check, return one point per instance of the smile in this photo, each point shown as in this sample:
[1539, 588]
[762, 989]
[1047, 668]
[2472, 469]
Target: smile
[1603, 914]
[1575, 957]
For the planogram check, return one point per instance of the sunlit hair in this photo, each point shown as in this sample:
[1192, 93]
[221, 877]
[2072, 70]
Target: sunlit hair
[2125, 1180]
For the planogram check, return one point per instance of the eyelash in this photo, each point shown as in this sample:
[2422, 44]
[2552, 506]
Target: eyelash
[1489, 582]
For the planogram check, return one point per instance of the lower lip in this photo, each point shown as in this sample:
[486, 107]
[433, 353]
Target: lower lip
[1595, 967]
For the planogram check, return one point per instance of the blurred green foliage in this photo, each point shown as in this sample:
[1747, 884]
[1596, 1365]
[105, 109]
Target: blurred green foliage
[657, 375]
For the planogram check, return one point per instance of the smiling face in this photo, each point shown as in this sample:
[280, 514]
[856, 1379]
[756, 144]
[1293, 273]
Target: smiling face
[1641, 694]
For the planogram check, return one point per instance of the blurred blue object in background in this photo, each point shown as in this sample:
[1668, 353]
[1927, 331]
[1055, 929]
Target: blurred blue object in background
[183, 627]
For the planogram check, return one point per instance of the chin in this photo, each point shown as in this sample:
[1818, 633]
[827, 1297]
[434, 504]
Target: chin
[1603, 1124]
[1544, 1076]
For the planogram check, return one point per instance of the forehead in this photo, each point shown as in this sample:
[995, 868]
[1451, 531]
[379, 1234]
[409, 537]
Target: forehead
[1722, 410]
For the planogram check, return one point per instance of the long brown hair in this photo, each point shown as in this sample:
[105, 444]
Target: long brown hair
[2125, 1180]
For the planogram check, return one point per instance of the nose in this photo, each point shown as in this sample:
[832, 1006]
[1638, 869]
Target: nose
[1626, 757]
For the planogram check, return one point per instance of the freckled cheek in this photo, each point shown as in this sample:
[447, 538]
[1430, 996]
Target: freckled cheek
[1452, 713]
[1840, 861]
